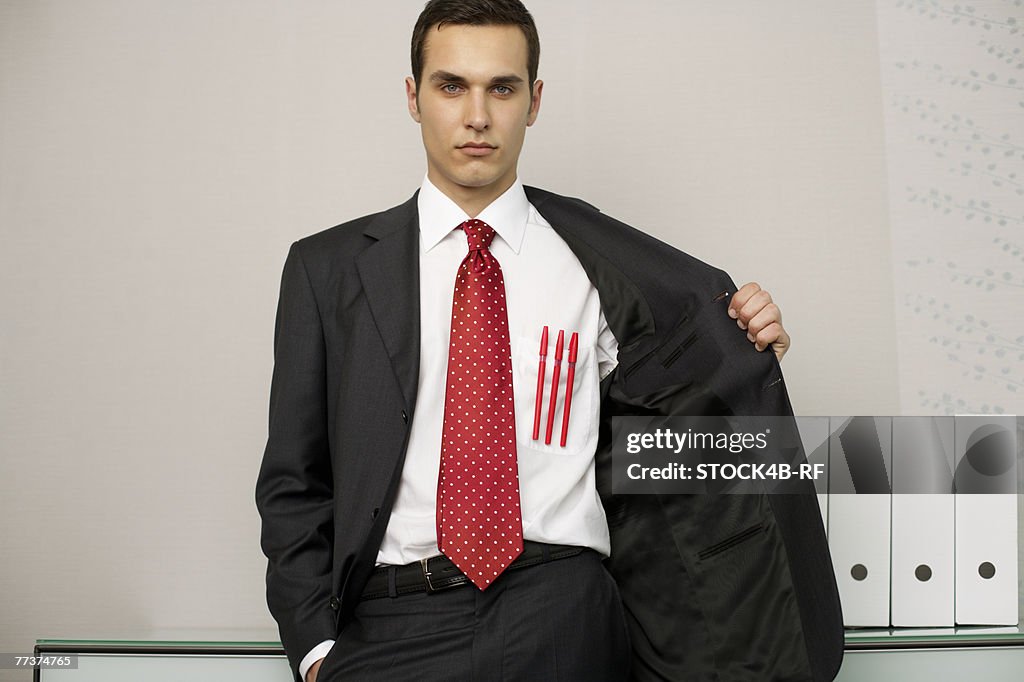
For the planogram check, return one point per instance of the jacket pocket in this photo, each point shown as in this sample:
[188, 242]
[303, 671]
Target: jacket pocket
[746, 590]
[730, 542]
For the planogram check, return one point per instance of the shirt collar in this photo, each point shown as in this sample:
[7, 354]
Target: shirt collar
[439, 215]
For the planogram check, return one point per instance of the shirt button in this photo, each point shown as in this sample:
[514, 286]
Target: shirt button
[335, 603]
[405, 417]
[375, 513]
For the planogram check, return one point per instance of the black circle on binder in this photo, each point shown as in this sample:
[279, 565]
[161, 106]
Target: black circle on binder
[859, 572]
[986, 570]
[923, 573]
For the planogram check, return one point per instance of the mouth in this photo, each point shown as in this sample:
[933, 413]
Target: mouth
[476, 148]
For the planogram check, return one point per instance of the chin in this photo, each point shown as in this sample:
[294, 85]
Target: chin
[476, 181]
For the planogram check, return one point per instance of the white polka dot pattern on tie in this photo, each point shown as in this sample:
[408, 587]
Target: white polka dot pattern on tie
[479, 521]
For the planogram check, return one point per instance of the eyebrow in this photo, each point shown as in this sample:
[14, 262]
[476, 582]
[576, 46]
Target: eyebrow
[448, 77]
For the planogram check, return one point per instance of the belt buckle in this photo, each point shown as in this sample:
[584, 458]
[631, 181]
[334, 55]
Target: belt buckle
[431, 588]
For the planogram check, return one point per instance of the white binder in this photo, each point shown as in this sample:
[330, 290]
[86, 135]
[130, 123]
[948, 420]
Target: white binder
[922, 521]
[986, 520]
[860, 450]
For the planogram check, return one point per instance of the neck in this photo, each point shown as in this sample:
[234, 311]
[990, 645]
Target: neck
[472, 200]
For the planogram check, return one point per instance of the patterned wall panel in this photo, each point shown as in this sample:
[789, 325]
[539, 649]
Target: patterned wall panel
[953, 81]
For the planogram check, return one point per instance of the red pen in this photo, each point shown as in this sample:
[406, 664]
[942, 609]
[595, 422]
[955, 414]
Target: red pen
[570, 375]
[540, 382]
[554, 386]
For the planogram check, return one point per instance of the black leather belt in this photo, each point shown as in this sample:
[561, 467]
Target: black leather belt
[439, 573]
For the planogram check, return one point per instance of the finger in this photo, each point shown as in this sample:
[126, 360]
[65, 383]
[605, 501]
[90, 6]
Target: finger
[775, 335]
[753, 307]
[740, 298]
[781, 344]
[762, 338]
[764, 317]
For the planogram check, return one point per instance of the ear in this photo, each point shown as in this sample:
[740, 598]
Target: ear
[538, 86]
[410, 95]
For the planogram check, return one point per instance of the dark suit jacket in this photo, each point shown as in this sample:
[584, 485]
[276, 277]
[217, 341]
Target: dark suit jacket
[716, 587]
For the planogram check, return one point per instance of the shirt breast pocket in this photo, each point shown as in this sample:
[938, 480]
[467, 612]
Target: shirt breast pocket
[581, 434]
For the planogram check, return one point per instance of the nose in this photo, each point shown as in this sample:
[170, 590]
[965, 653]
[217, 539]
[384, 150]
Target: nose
[477, 116]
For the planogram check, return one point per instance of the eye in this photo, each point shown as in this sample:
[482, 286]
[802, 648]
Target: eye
[502, 90]
[450, 88]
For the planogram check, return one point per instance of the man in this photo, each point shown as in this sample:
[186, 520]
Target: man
[378, 566]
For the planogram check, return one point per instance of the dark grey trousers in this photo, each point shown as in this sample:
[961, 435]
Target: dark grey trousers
[559, 621]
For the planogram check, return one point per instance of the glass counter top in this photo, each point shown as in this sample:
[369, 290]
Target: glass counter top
[906, 638]
[267, 639]
[172, 638]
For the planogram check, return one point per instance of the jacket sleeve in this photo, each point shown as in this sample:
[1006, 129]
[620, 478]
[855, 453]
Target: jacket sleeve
[294, 490]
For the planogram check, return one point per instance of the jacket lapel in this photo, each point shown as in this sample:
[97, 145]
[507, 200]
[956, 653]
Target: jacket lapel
[390, 274]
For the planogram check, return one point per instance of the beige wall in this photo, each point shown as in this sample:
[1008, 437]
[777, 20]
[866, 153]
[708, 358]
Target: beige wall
[157, 158]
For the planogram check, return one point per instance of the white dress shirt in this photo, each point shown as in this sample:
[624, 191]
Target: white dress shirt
[544, 285]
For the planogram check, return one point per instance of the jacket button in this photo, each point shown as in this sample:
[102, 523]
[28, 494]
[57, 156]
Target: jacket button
[335, 603]
[374, 513]
[405, 417]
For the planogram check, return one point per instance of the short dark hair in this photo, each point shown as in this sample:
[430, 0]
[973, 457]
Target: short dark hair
[475, 13]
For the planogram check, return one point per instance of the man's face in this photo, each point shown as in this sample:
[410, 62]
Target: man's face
[473, 107]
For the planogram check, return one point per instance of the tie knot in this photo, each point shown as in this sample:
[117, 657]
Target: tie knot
[478, 233]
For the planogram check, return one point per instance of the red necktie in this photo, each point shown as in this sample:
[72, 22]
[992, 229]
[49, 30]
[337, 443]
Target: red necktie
[479, 522]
